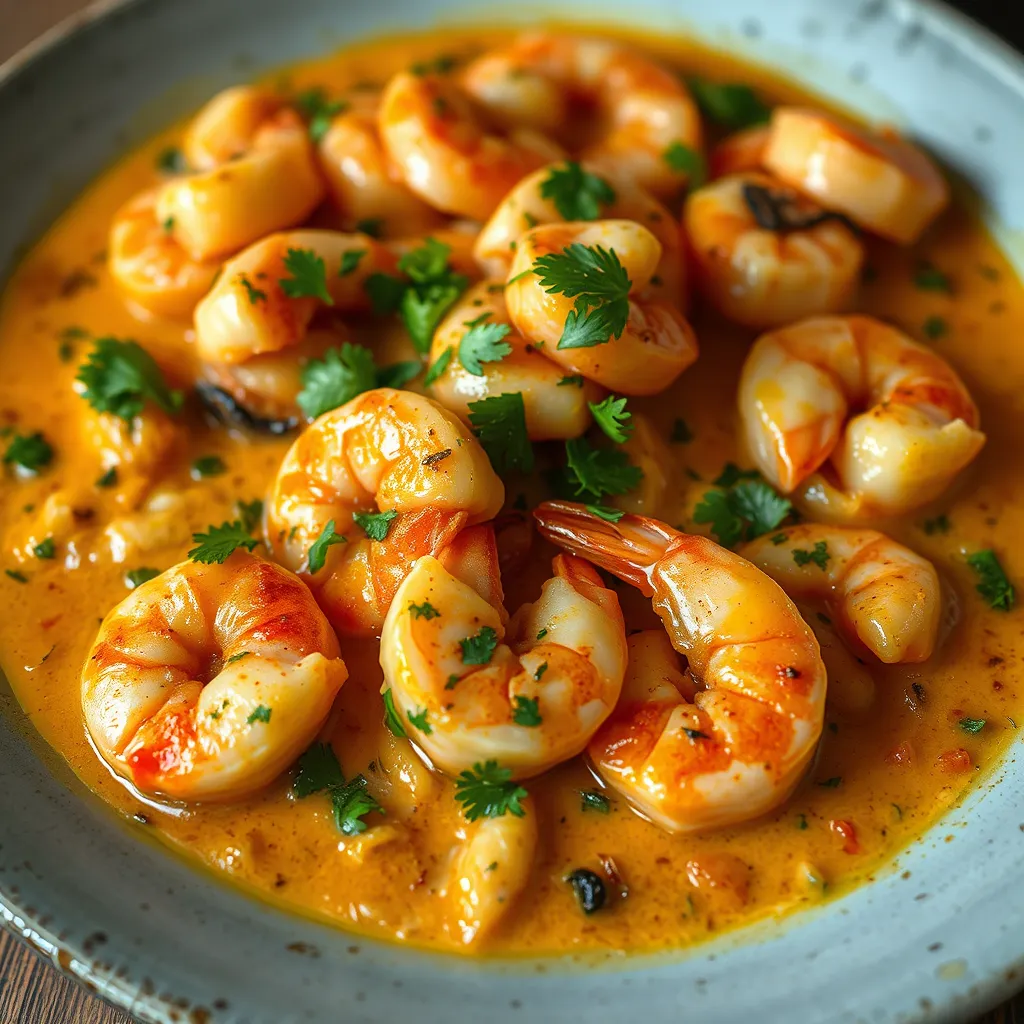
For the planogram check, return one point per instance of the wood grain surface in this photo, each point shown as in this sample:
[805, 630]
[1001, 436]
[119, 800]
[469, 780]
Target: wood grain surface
[32, 991]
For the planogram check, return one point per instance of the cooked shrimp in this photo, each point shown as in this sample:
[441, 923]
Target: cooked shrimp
[555, 408]
[248, 312]
[364, 184]
[469, 690]
[446, 153]
[764, 256]
[259, 175]
[740, 152]
[880, 180]
[649, 452]
[389, 450]
[641, 109]
[150, 266]
[491, 868]
[206, 682]
[657, 343]
[741, 744]
[526, 207]
[882, 596]
[918, 431]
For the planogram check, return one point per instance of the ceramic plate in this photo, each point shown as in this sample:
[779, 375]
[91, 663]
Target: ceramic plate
[933, 938]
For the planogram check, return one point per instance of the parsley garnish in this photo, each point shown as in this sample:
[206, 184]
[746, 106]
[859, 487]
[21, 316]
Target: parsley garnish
[685, 160]
[592, 800]
[318, 770]
[541, 634]
[576, 193]
[596, 472]
[260, 713]
[375, 524]
[237, 657]
[819, 556]
[351, 804]
[433, 289]
[336, 379]
[423, 611]
[136, 577]
[18, 577]
[30, 451]
[318, 110]
[994, 585]
[109, 479]
[439, 65]
[527, 711]
[594, 277]
[747, 510]
[479, 648]
[438, 366]
[832, 783]
[729, 104]
[171, 160]
[483, 343]
[385, 292]
[391, 719]
[45, 549]
[609, 515]
[208, 465]
[935, 327]
[255, 294]
[972, 726]
[732, 474]
[318, 550]
[250, 513]
[350, 260]
[372, 226]
[397, 375]
[929, 278]
[220, 542]
[419, 719]
[681, 433]
[308, 276]
[573, 380]
[500, 424]
[487, 791]
[121, 376]
[940, 524]
[611, 416]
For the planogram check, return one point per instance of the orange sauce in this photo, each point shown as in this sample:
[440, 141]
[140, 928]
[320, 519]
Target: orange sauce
[884, 773]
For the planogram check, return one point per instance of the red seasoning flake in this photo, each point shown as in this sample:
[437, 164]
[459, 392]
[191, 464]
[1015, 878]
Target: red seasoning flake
[954, 762]
[846, 831]
[902, 757]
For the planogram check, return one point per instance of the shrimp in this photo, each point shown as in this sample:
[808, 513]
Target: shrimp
[259, 175]
[541, 80]
[918, 431]
[737, 748]
[765, 256]
[556, 408]
[365, 186]
[248, 312]
[657, 343]
[206, 682]
[881, 595]
[526, 207]
[446, 154]
[468, 689]
[148, 264]
[884, 183]
[389, 450]
[740, 152]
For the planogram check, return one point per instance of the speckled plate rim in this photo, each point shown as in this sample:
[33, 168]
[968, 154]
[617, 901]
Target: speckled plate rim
[76, 958]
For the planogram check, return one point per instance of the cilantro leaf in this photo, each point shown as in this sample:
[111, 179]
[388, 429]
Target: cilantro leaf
[45, 549]
[570, 381]
[171, 160]
[423, 611]
[611, 416]
[438, 366]
[729, 104]
[426, 263]
[928, 278]
[576, 193]
[136, 577]
[30, 451]
[594, 277]
[385, 292]
[419, 719]
[397, 375]
[318, 549]
[479, 648]
[500, 424]
[375, 524]
[318, 110]
[250, 513]
[336, 379]
[483, 343]
[318, 770]
[208, 465]
[351, 803]
[260, 713]
[935, 327]
[609, 515]
[108, 479]
[596, 472]
[939, 524]
[716, 509]
[423, 306]
[995, 587]
[391, 719]
[732, 474]
[350, 259]
[527, 711]
[684, 159]
[121, 376]
[749, 509]
[819, 556]
[592, 800]
[219, 542]
[308, 276]
[487, 791]
[255, 294]
[972, 726]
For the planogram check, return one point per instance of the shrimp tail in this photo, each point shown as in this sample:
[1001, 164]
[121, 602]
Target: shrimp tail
[628, 549]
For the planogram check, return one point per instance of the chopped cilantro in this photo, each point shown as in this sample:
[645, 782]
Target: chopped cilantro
[318, 769]
[108, 479]
[433, 289]
[994, 585]
[45, 549]
[208, 465]
[683, 159]
[307, 276]
[318, 110]
[397, 375]
[255, 294]
[350, 259]
[972, 726]
[729, 104]
[32, 452]
[318, 549]
[572, 380]
[171, 160]
[121, 376]
[136, 577]
[350, 804]
[375, 524]
[385, 292]
[335, 379]
[527, 711]
[423, 611]
[929, 278]
[939, 524]
[595, 472]
[500, 423]
[260, 713]
[487, 791]
[438, 366]
[483, 343]
[576, 193]
[819, 555]
[419, 719]
[609, 515]
[220, 542]
[748, 509]
[391, 719]
[592, 800]
[479, 648]
[249, 513]
[935, 327]
[18, 577]
[611, 416]
[681, 433]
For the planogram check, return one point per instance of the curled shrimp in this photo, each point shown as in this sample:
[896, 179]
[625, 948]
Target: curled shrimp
[526, 207]
[765, 256]
[738, 748]
[918, 430]
[884, 183]
[657, 343]
[150, 266]
[641, 109]
[555, 408]
[447, 154]
[364, 184]
[257, 174]
[386, 450]
[206, 682]
[881, 595]
[739, 152]
[469, 690]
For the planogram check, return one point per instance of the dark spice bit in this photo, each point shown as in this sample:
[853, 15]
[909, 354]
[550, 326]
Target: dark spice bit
[792, 673]
[779, 210]
[588, 889]
[918, 692]
[436, 457]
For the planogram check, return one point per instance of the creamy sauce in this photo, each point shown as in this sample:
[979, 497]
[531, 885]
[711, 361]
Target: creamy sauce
[891, 763]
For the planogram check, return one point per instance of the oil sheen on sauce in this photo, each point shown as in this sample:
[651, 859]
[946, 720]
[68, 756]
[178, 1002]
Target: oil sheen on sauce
[893, 758]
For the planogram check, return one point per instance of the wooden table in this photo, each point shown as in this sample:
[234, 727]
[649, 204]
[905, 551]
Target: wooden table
[31, 990]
